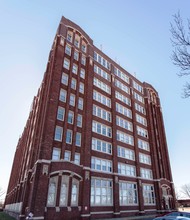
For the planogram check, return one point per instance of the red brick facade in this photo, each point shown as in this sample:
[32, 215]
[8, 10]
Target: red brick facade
[94, 144]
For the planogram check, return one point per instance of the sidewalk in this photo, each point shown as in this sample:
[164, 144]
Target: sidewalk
[145, 217]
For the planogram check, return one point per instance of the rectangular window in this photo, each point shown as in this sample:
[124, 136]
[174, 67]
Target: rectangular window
[138, 97]
[101, 113]
[60, 113]
[148, 194]
[58, 133]
[72, 100]
[125, 138]
[101, 146]
[78, 139]
[146, 173]
[142, 132]
[101, 129]
[101, 164]
[83, 47]
[126, 170]
[77, 159]
[81, 87]
[69, 137]
[102, 86]
[143, 145]
[83, 60]
[122, 86]
[101, 192]
[122, 98]
[124, 123]
[144, 158]
[125, 153]
[66, 64]
[102, 73]
[76, 43]
[75, 69]
[74, 192]
[121, 75]
[56, 153]
[140, 108]
[79, 120]
[123, 110]
[70, 117]
[63, 95]
[52, 191]
[64, 79]
[76, 55]
[82, 73]
[68, 50]
[67, 156]
[80, 103]
[137, 87]
[141, 120]
[102, 99]
[127, 193]
[101, 60]
[64, 190]
[70, 36]
[73, 83]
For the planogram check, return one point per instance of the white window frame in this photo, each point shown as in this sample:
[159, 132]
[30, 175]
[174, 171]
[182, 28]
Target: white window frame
[70, 118]
[101, 185]
[128, 193]
[126, 170]
[102, 165]
[148, 194]
[56, 153]
[125, 138]
[72, 100]
[101, 98]
[122, 98]
[68, 50]
[141, 119]
[70, 132]
[60, 113]
[58, 133]
[79, 121]
[124, 123]
[146, 173]
[80, 103]
[102, 73]
[64, 79]
[101, 129]
[143, 145]
[101, 113]
[66, 63]
[123, 110]
[78, 139]
[103, 86]
[101, 146]
[142, 132]
[63, 95]
[126, 153]
[121, 75]
[144, 158]
[122, 86]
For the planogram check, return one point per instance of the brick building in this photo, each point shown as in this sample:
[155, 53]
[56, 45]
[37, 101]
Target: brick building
[94, 144]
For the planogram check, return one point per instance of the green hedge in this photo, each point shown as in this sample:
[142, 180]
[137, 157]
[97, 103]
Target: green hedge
[4, 216]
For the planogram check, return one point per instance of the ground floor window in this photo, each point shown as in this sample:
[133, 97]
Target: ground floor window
[101, 192]
[68, 192]
[148, 194]
[127, 193]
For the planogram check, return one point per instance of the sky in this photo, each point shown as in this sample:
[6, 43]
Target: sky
[135, 33]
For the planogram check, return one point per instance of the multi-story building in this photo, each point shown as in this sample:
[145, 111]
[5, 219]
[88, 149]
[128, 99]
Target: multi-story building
[94, 144]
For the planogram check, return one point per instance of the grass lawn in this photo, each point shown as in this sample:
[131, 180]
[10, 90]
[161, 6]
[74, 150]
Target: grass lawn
[4, 216]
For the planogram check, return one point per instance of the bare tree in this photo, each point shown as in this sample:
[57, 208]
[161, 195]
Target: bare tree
[2, 192]
[181, 44]
[185, 189]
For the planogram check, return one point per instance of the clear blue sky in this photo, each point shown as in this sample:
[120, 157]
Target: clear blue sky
[135, 32]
